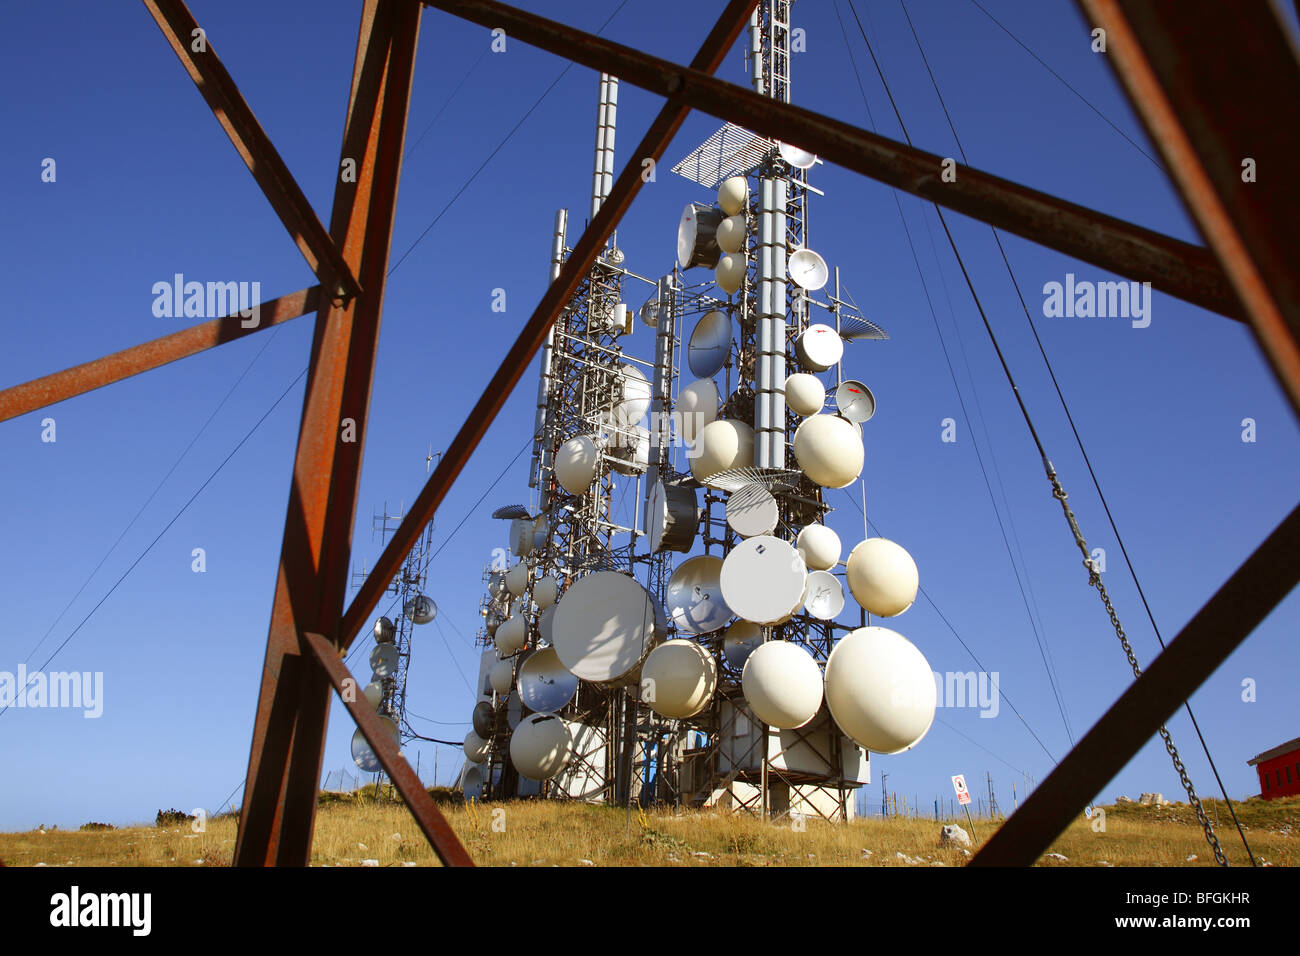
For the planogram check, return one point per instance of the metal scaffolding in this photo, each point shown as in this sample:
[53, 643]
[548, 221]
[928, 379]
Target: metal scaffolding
[1203, 121]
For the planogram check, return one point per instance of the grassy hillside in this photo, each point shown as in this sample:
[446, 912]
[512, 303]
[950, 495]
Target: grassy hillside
[373, 830]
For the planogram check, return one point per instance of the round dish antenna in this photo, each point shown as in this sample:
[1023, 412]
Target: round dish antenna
[694, 596]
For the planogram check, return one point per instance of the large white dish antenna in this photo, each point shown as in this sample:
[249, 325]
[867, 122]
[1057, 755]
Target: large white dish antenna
[483, 718]
[721, 446]
[693, 598]
[678, 679]
[540, 746]
[829, 450]
[511, 635]
[629, 452]
[696, 236]
[517, 578]
[823, 596]
[804, 394]
[796, 157]
[374, 693]
[697, 405]
[672, 517]
[383, 660]
[783, 685]
[731, 234]
[476, 748]
[420, 609]
[739, 642]
[882, 576]
[819, 347]
[880, 690]
[636, 396]
[385, 631]
[855, 402]
[752, 510]
[730, 272]
[546, 591]
[545, 684]
[471, 782]
[820, 546]
[763, 580]
[575, 464]
[733, 194]
[605, 625]
[807, 269]
[501, 676]
[546, 625]
[710, 344]
[521, 536]
[363, 754]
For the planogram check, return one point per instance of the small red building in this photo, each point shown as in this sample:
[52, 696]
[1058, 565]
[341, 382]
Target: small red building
[1279, 770]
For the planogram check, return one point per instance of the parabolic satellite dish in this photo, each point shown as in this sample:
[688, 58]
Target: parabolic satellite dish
[420, 609]
[783, 684]
[739, 642]
[476, 748]
[694, 596]
[678, 679]
[710, 345]
[471, 782]
[752, 510]
[696, 236]
[385, 631]
[545, 684]
[383, 660]
[511, 635]
[540, 746]
[763, 580]
[635, 397]
[796, 157]
[880, 690]
[855, 401]
[672, 517]
[482, 719]
[605, 625]
[807, 269]
[819, 347]
[363, 754]
[697, 405]
[823, 596]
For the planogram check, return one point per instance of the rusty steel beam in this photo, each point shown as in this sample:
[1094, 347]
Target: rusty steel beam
[1178, 268]
[436, 829]
[288, 744]
[253, 145]
[731, 21]
[1216, 631]
[58, 386]
[1219, 92]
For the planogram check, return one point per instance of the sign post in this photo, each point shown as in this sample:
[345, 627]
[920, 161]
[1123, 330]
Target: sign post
[963, 797]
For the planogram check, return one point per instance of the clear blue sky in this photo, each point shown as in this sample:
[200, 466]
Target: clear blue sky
[148, 186]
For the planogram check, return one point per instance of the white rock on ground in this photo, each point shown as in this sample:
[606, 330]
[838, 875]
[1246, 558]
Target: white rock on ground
[953, 834]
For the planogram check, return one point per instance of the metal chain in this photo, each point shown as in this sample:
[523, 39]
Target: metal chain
[1094, 580]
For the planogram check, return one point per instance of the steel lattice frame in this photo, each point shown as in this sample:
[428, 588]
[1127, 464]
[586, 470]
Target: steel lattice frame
[1210, 90]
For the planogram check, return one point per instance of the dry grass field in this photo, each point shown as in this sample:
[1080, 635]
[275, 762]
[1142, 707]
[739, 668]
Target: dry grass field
[375, 831]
